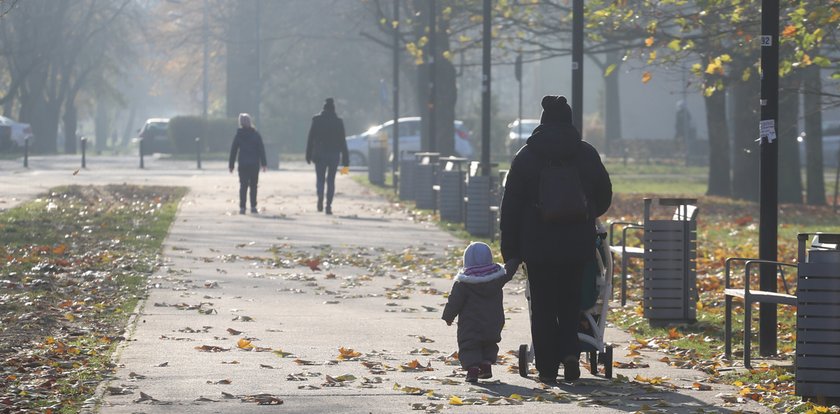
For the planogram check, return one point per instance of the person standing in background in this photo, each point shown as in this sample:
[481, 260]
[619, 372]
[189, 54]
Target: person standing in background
[325, 145]
[248, 147]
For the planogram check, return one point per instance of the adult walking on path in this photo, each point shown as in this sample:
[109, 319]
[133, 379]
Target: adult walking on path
[554, 252]
[326, 143]
[248, 146]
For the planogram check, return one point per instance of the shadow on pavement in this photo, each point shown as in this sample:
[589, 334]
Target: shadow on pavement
[619, 395]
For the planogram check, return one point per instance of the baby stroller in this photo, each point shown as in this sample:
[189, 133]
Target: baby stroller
[595, 297]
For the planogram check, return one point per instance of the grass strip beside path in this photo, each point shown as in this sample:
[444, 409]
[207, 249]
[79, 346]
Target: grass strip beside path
[74, 263]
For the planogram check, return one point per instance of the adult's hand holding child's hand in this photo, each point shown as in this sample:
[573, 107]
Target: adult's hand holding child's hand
[511, 266]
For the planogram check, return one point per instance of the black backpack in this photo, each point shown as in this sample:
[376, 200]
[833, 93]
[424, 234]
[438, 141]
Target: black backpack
[560, 197]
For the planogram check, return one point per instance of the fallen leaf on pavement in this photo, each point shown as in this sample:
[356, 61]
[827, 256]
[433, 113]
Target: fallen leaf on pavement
[312, 264]
[414, 366]
[347, 354]
[281, 354]
[701, 387]
[211, 348]
[409, 390]
[262, 399]
[119, 391]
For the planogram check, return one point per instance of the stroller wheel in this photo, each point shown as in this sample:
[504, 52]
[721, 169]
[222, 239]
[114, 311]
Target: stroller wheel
[608, 362]
[593, 362]
[523, 360]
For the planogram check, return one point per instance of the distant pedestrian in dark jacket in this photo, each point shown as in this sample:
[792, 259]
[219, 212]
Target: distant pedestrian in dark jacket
[554, 253]
[476, 299]
[326, 143]
[248, 146]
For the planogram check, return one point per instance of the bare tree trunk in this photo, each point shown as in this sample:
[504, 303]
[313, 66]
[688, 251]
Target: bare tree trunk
[720, 183]
[128, 132]
[7, 107]
[813, 136]
[446, 93]
[790, 172]
[243, 72]
[612, 104]
[745, 116]
[101, 125]
[70, 120]
[447, 96]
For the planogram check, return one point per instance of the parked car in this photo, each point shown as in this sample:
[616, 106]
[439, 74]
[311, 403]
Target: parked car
[831, 145]
[358, 144]
[19, 131]
[155, 136]
[516, 137]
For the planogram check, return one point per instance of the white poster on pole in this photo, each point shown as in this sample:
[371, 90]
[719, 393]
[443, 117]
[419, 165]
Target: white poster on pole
[767, 130]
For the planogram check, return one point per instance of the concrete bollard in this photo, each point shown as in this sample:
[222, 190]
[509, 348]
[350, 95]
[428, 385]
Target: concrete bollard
[198, 153]
[26, 152]
[84, 150]
[140, 145]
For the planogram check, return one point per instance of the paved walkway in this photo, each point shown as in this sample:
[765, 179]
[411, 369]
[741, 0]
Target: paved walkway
[244, 281]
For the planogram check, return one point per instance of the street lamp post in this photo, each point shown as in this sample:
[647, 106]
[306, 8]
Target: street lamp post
[432, 75]
[577, 64]
[485, 89]
[517, 69]
[769, 198]
[206, 67]
[396, 91]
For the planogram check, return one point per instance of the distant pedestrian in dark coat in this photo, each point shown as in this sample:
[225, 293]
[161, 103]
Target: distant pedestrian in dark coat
[476, 299]
[248, 146]
[554, 253]
[326, 143]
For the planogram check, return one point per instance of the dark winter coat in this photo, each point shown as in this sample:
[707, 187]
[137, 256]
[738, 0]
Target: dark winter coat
[477, 302]
[326, 137]
[524, 235]
[248, 144]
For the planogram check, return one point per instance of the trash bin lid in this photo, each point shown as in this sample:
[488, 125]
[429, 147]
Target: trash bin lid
[823, 256]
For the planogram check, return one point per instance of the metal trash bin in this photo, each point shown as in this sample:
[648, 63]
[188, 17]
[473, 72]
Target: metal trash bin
[377, 158]
[452, 177]
[406, 176]
[481, 196]
[425, 178]
[818, 319]
[670, 254]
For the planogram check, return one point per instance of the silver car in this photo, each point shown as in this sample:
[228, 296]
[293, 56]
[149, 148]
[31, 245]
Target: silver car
[358, 145]
[518, 136]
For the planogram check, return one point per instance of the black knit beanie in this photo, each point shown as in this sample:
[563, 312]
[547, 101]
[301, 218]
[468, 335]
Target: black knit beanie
[555, 110]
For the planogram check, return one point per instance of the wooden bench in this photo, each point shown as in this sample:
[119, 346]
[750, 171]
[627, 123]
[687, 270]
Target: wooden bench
[682, 213]
[625, 252]
[750, 296]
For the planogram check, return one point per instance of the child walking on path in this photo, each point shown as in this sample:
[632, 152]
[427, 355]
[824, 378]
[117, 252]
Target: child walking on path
[476, 299]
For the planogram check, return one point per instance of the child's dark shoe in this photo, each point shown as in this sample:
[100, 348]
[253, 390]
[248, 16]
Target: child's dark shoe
[472, 374]
[485, 371]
